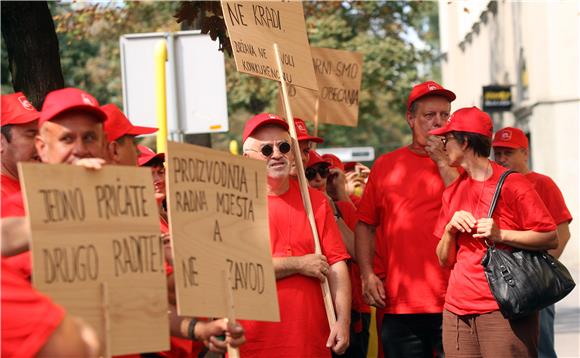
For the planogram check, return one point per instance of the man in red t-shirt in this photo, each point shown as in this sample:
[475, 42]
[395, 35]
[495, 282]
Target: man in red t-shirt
[401, 202]
[346, 210]
[303, 330]
[511, 150]
[33, 326]
[19, 127]
[70, 132]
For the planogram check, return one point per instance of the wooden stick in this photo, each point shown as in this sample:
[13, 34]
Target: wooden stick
[316, 108]
[231, 310]
[106, 318]
[330, 314]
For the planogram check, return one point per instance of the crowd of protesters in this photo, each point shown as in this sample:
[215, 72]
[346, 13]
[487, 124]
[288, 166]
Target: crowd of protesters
[405, 237]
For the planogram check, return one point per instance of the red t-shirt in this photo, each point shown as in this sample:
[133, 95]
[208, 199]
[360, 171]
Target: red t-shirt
[12, 206]
[303, 327]
[28, 317]
[551, 196]
[518, 208]
[8, 186]
[403, 199]
[350, 217]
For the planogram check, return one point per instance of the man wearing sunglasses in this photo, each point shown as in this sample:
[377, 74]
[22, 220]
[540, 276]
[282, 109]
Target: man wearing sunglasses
[401, 203]
[303, 328]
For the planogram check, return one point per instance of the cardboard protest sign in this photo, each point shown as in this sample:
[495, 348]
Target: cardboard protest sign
[339, 75]
[253, 28]
[96, 250]
[219, 224]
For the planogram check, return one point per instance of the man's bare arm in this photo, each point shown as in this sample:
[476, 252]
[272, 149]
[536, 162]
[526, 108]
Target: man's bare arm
[15, 236]
[563, 237]
[312, 265]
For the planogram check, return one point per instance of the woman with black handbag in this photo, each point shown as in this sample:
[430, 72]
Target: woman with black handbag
[472, 323]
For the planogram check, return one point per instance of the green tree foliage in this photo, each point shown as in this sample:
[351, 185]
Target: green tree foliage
[381, 30]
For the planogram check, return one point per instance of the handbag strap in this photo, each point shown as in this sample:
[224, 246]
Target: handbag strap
[496, 197]
[497, 192]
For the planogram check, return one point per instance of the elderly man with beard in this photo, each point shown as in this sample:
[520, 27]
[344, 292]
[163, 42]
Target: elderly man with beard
[303, 329]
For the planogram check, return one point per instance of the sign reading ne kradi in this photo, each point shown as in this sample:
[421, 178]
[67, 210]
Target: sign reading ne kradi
[253, 28]
[97, 252]
[219, 226]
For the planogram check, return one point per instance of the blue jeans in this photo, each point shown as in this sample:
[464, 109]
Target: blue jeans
[546, 343]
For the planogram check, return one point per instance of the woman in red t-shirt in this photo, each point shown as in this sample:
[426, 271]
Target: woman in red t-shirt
[472, 323]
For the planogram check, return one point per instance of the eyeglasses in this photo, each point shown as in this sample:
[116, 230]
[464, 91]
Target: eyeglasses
[445, 140]
[268, 149]
[311, 172]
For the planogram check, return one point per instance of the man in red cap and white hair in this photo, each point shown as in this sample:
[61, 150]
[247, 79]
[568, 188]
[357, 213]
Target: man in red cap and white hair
[303, 329]
[511, 150]
[121, 134]
[394, 237]
[19, 127]
[71, 129]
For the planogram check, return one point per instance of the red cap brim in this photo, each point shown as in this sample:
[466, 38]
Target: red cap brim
[440, 131]
[22, 119]
[137, 130]
[143, 160]
[499, 144]
[311, 139]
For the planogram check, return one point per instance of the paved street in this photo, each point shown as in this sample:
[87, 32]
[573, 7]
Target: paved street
[567, 326]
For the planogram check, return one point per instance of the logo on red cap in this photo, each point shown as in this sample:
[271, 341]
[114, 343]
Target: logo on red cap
[26, 104]
[87, 100]
[432, 88]
[506, 135]
[300, 127]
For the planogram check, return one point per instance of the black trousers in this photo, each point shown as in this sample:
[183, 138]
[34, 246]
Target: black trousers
[412, 335]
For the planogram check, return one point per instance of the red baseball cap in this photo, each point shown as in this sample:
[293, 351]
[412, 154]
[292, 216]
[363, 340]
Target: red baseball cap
[315, 158]
[334, 161]
[117, 125]
[510, 137]
[302, 132]
[260, 120]
[147, 154]
[16, 109]
[65, 99]
[429, 88]
[469, 119]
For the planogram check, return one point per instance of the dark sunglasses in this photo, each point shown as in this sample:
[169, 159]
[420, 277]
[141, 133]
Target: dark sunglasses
[311, 172]
[268, 149]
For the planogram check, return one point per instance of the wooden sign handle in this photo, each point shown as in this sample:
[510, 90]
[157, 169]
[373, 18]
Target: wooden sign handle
[328, 305]
[106, 319]
[231, 311]
[316, 109]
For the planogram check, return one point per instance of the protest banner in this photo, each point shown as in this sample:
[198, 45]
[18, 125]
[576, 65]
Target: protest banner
[269, 40]
[254, 26]
[339, 75]
[218, 219]
[97, 252]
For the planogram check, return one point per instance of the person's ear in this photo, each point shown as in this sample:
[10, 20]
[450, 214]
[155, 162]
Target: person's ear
[410, 119]
[3, 144]
[112, 152]
[40, 145]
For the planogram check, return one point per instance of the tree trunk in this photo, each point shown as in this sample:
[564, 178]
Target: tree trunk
[32, 47]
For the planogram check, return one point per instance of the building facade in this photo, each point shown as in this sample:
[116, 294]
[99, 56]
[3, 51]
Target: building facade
[533, 49]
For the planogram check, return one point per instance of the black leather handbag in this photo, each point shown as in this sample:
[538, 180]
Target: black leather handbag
[522, 281]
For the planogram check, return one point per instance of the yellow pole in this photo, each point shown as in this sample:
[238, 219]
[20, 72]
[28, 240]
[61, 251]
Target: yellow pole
[160, 99]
